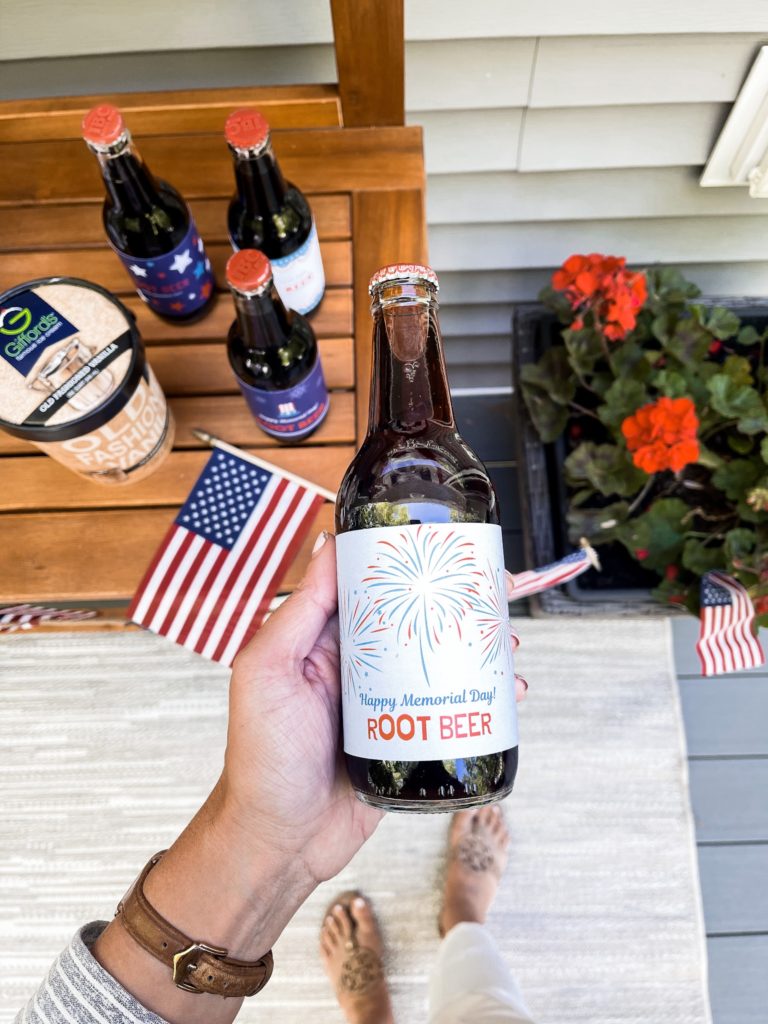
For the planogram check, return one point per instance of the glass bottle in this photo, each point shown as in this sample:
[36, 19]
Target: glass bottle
[273, 353]
[427, 676]
[270, 214]
[148, 224]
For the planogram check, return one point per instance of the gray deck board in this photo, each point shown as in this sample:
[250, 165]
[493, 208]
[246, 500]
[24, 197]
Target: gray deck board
[730, 800]
[726, 715]
[734, 889]
[738, 980]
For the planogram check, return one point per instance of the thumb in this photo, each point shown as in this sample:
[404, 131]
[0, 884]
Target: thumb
[292, 631]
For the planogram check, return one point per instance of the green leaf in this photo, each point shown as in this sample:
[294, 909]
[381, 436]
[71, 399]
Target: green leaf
[598, 525]
[667, 285]
[700, 559]
[764, 449]
[558, 303]
[622, 398]
[747, 336]
[735, 401]
[551, 374]
[629, 360]
[659, 532]
[584, 349]
[548, 417]
[607, 467]
[736, 477]
[739, 370]
[740, 444]
[739, 543]
[670, 383]
[709, 458]
[722, 323]
[690, 340]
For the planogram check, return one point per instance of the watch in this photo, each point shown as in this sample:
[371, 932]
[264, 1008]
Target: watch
[195, 966]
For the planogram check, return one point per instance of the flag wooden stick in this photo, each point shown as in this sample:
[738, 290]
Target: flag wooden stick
[215, 442]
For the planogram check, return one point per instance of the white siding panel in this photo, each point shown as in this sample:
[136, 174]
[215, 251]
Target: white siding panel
[462, 320]
[468, 74]
[582, 195]
[469, 140]
[455, 19]
[632, 136]
[40, 28]
[644, 69]
[668, 240]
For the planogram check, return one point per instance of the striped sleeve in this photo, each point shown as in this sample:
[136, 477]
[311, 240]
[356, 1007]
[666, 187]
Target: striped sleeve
[77, 990]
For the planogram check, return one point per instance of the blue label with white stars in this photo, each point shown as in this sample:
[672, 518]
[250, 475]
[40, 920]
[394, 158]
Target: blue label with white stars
[290, 413]
[178, 283]
[224, 498]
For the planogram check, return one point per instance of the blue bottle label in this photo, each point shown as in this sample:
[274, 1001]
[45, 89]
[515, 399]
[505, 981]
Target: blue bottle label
[290, 413]
[177, 283]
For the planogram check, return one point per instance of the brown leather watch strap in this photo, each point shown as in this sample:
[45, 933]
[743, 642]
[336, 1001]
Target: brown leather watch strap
[195, 966]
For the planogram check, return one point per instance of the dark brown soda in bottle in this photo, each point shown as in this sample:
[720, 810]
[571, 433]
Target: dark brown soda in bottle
[427, 676]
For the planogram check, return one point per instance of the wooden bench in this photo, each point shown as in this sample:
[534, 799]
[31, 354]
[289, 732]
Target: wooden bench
[70, 541]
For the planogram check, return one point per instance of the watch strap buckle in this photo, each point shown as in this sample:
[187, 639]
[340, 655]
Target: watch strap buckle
[186, 961]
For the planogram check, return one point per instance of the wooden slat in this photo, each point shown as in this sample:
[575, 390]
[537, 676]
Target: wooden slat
[203, 368]
[733, 887]
[186, 112]
[58, 226]
[228, 417]
[388, 228]
[102, 266]
[318, 161]
[370, 57]
[333, 318]
[47, 563]
[42, 485]
[728, 799]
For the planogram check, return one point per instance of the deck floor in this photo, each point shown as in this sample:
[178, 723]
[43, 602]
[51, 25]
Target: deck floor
[726, 722]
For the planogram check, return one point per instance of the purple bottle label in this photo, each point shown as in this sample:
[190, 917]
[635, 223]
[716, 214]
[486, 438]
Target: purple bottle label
[290, 413]
[177, 283]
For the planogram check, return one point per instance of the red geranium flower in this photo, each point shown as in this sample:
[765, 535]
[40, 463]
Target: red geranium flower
[662, 435]
[602, 285]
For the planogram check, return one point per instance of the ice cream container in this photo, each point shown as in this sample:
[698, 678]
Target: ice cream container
[74, 380]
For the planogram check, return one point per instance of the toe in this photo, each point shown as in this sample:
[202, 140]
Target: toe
[332, 929]
[486, 816]
[461, 823]
[341, 916]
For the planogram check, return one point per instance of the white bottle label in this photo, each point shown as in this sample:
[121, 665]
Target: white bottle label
[426, 656]
[300, 278]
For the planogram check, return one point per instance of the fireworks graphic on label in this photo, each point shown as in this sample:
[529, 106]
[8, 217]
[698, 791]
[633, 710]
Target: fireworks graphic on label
[361, 636]
[423, 584]
[492, 614]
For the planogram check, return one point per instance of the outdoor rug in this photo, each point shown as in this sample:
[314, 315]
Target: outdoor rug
[110, 742]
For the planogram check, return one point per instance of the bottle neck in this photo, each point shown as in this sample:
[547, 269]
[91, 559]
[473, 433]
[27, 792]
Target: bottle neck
[263, 320]
[129, 182]
[409, 386]
[260, 184]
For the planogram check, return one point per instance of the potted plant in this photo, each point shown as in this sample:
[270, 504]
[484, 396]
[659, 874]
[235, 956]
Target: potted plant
[650, 407]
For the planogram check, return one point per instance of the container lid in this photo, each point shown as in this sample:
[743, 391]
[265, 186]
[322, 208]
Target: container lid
[70, 358]
[405, 272]
[249, 271]
[246, 130]
[103, 126]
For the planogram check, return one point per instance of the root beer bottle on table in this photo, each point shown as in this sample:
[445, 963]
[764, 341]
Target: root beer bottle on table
[428, 689]
[148, 224]
[273, 353]
[271, 214]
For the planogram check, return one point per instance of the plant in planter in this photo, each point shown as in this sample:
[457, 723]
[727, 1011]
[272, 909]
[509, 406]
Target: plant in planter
[663, 403]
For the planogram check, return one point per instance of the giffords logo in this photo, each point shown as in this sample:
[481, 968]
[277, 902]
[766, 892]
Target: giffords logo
[27, 327]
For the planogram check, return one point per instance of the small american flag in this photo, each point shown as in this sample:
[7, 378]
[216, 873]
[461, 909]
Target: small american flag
[210, 583]
[27, 616]
[726, 641]
[533, 581]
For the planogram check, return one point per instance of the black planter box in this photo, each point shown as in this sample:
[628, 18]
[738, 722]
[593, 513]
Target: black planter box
[623, 587]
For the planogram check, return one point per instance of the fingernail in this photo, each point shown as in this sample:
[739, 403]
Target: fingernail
[523, 681]
[321, 539]
[337, 908]
[515, 638]
[359, 901]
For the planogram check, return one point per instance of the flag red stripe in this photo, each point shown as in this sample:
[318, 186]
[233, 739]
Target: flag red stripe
[182, 587]
[168, 575]
[232, 571]
[255, 577]
[291, 552]
[151, 570]
[202, 593]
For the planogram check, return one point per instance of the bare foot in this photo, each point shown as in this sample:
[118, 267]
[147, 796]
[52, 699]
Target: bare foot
[477, 856]
[351, 949]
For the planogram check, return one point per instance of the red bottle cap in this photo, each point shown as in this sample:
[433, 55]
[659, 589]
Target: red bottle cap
[248, 271]
[406, 272]
[103, 125]
[246, 129]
